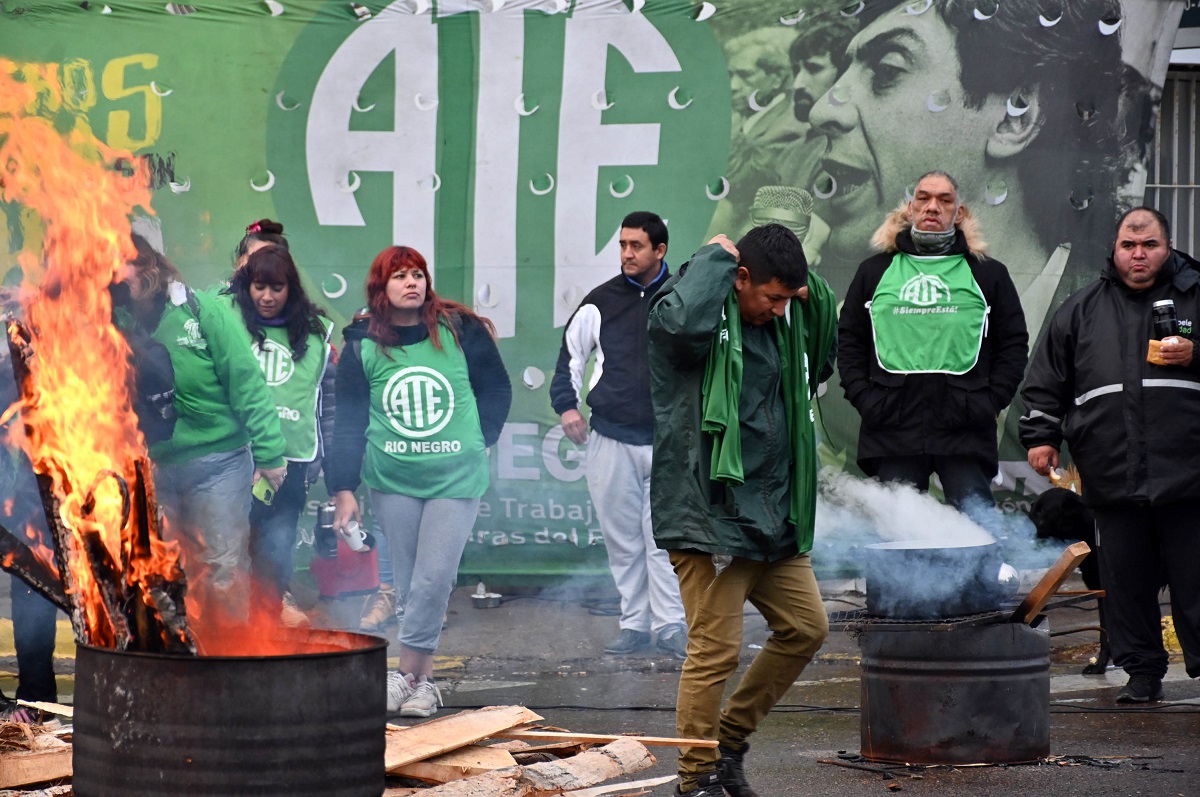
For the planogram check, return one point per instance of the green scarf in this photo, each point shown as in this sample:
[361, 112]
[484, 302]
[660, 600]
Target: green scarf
[721, 390]
[804, 346]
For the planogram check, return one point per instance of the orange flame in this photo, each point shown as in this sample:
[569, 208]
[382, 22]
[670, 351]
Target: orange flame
[76, 405]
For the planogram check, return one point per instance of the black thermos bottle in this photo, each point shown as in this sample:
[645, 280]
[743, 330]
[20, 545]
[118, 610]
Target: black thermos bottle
[1166, 323]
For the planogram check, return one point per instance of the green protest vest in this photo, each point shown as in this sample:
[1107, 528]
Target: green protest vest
[294, 387]
[423, 435]
[928, 316]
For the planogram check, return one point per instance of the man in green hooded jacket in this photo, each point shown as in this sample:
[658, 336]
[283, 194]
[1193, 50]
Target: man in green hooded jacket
[733, 485]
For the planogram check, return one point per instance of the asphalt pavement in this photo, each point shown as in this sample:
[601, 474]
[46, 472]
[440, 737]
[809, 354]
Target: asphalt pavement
[544, 650]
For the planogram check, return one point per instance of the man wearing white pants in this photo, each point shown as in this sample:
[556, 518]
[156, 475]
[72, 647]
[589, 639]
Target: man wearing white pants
[610, 324]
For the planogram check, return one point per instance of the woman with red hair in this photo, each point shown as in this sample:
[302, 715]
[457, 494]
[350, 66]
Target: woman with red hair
[422, 393]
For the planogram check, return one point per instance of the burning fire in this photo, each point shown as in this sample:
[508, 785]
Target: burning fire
[80, 429]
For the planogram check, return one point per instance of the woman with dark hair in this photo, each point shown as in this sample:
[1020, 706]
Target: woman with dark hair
[226, 434]
[263, 232]
[422, 393]
[290, 337]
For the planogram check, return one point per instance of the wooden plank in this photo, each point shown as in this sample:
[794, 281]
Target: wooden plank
[457, 764]
[628, 787]
[429, 739]
[49, 708]
[26, 768]
[532, 735]
[1029, 609]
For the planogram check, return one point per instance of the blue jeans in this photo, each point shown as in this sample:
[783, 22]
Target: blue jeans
[273, 535]
[426, 537]
[33, 616]
[33, 620]
[207, 503]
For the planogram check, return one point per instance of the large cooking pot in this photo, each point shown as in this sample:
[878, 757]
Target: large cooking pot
[923, 580]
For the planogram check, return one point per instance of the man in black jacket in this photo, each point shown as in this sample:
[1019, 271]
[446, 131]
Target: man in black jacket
[610, 324]
[1131, 426]
[932, 345]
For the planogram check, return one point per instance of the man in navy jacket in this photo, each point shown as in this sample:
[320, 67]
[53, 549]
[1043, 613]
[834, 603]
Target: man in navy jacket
[610, 324]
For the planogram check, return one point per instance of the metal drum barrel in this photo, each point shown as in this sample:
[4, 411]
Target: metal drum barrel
[970, 695]
[309, 723]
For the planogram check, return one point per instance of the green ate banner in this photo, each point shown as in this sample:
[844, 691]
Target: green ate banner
[506, 140]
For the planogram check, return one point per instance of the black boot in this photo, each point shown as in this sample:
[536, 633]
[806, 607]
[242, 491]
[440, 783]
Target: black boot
[707, 785]
[733, 772]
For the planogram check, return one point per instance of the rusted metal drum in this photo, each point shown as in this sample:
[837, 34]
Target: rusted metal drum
[970, 695]
[311, 723]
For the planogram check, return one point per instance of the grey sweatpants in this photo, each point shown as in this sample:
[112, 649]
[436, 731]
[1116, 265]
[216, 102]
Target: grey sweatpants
[618, 476]
[426, 537]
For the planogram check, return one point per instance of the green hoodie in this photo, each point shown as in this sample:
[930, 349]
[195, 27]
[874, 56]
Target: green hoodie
[221, 396]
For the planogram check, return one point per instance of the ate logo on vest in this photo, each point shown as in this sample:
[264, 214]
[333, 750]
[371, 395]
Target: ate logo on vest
[925, 290]
[275, 361]
[418, 401]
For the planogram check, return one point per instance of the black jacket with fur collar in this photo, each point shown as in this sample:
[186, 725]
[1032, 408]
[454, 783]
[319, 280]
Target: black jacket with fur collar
[931, 413]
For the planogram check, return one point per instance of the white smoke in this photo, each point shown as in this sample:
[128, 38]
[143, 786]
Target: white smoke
[894, 512]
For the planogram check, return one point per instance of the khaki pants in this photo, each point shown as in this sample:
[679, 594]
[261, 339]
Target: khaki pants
[787, 596]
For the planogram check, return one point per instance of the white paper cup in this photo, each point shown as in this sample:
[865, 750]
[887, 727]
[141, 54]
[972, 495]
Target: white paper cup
[354, 535]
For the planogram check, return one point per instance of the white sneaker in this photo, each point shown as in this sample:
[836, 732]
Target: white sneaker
[399, 689]
[423, 702]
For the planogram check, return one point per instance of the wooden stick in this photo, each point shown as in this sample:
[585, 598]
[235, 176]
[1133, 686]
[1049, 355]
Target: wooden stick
[849, 765]
[625, 788]
[887, 773]
[532, 735]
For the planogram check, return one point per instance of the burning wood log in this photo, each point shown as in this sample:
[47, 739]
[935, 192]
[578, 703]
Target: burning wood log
[19, 559]
[109, 589]
[156, 610]
[64, 548]
[127, 596]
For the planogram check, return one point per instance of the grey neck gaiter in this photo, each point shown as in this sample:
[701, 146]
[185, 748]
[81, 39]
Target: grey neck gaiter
[933, 243]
